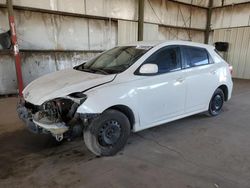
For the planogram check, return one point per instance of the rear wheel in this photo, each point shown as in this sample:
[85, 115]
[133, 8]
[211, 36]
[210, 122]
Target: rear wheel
[216, 103]
[108, 133]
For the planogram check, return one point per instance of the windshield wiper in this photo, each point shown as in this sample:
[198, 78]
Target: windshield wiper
[87, 70]
[100, 70]
[93, 70]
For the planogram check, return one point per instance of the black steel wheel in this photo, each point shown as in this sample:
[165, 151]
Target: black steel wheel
[108, 133]
[216, 103]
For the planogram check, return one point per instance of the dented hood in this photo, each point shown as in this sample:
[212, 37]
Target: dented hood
[62, 83]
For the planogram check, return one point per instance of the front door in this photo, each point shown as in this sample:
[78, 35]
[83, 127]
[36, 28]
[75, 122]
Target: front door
[162, 96]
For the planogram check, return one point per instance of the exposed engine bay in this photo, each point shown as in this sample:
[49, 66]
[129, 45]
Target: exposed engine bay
[57, 117]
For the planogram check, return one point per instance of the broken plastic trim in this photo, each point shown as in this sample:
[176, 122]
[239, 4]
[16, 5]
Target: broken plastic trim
[77, 97]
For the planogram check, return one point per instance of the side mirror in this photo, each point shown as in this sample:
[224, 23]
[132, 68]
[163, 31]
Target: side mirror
[149, 69]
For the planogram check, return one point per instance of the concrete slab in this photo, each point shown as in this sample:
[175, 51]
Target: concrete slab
[193, 152]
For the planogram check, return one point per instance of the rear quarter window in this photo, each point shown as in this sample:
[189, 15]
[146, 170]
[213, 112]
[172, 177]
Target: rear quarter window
[196, 56]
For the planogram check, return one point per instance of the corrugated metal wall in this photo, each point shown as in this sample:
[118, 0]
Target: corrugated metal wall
[42, 32]
[36, 64]
[218, 3]
[238, 54]
[231, 24]
[159, 14]
[232, 16]
[56, 34]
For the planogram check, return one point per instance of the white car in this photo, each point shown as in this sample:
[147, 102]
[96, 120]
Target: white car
[127, 88]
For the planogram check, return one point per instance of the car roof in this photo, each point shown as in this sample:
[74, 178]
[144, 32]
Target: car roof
[168, 42]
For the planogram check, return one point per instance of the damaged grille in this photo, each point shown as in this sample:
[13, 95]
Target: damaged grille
[33, 108]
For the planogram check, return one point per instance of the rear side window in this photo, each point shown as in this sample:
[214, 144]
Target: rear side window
[196, 56]
[167, 59]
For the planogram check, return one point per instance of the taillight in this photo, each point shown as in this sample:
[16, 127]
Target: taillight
[230, 68]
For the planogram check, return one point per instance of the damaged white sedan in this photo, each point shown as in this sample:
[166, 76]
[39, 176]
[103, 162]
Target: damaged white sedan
[128, 88]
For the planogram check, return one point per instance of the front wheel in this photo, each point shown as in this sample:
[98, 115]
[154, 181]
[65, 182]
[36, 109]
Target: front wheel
[108, 133]
[216, 103]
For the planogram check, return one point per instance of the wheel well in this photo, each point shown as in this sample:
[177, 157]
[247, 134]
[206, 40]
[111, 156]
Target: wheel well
[225, 91]
[127, 111]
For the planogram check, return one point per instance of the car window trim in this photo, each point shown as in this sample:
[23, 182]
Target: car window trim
[185, 59]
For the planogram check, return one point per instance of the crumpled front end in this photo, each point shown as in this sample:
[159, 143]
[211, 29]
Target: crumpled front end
[57, 117]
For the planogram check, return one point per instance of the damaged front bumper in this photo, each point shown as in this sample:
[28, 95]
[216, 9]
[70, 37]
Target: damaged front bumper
[26, 116]
[39, 125]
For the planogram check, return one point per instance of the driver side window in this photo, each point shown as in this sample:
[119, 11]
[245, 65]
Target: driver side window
[167, 58]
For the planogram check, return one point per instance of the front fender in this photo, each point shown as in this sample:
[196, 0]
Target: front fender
[99, 100]
[102, 98]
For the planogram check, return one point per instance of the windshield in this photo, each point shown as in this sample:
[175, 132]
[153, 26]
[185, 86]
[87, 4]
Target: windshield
[115, 60]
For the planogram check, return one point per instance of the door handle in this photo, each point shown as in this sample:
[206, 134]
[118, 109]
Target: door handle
[180, 79]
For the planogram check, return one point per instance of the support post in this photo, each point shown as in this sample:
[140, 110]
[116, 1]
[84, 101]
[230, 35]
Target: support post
[15, 47]
[208, 25]
[140, 20]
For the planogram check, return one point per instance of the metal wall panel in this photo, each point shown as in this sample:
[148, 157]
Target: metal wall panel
[8, 83]
[36, 64]
[47, 31]
[113, 8]
[199, 18]
[44, 4]
[123, 9]
[150, 32]
[238, 54]
[71, 33]
[102, 34]
[233, 16]
[203, 3]
[166, 33]
[76, 6]
[170, 13]
[4, 24]
[127, 32]
[109, 8]
[218, 3]
[35, 30]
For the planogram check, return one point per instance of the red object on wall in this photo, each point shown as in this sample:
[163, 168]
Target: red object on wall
[16, 55]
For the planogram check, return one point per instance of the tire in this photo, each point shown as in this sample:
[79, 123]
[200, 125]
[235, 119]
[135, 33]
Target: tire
[108, 133]
[216, 103]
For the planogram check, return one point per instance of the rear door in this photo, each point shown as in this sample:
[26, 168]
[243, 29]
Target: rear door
[201, 78]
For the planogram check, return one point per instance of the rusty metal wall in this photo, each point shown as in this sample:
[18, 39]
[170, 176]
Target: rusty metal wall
[35, 64]
[239, 49]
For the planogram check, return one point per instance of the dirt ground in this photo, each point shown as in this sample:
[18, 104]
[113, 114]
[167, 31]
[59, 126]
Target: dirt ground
[195, 152]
